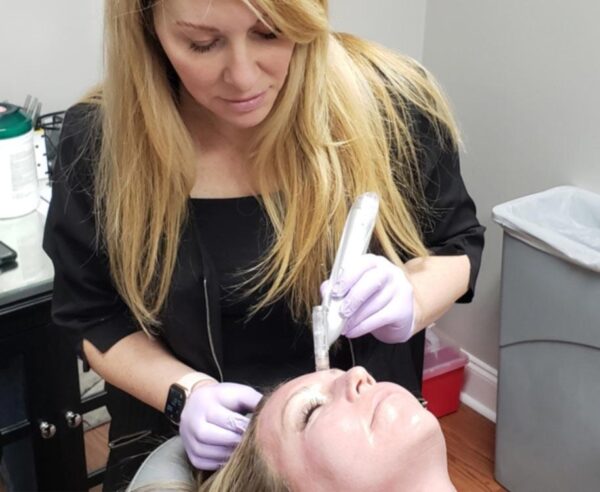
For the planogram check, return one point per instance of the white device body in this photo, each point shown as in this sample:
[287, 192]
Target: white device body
[354, 242]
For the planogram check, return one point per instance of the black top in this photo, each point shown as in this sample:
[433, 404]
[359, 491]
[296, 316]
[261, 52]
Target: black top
[200, 326]
[271, 338]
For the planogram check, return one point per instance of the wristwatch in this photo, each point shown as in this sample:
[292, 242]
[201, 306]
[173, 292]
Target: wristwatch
[179, 393]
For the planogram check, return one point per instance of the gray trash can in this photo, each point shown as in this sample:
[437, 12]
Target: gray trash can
[548, 416]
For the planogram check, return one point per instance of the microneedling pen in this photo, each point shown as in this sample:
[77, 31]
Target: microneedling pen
[358, 229]
[319, 326]
[353, 244]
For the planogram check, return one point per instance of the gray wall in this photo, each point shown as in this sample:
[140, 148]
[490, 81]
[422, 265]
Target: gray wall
[397, 24]
[51, 50]
[524, 79]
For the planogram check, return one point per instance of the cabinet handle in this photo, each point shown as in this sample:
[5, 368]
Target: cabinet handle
[47, 430]
[73, 419]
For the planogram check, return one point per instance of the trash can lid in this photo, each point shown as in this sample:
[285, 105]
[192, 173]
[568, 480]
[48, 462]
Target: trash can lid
[562, 221]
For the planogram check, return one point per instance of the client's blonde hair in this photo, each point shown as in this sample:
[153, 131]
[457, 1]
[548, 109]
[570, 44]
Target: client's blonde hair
[246, 470]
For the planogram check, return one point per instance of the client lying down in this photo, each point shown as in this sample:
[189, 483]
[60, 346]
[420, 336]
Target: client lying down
[332, 431]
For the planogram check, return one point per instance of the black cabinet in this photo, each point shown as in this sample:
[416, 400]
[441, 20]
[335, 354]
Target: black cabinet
[41, 431]
[41, 407]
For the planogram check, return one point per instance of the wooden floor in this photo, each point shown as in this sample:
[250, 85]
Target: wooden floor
[469, 439]
[96, 450]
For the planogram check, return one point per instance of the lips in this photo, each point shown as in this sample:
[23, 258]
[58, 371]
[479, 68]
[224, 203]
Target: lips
[246, 105]
[245, 100]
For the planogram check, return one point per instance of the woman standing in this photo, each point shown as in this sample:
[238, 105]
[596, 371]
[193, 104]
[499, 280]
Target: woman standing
[199, 198]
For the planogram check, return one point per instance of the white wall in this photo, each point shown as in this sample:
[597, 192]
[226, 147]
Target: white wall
[397, 24]
[53, 50]
[49, 49]
[524, 79]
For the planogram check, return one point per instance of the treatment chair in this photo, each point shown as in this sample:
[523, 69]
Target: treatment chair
[168, 465]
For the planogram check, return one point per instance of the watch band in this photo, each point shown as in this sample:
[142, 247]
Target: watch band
[190, 380]
[179, 392]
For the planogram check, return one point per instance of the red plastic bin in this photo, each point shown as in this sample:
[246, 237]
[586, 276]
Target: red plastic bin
[443, 377]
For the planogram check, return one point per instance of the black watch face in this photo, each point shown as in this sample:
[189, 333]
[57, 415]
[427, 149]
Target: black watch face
[175, 402]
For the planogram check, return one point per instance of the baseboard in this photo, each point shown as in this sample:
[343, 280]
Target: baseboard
[479, 390]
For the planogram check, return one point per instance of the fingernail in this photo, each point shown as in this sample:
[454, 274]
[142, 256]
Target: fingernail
[346, 309]
[238, 423]
[337, 288]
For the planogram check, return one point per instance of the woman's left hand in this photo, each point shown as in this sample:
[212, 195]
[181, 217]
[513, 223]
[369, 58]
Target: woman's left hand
[377, 298]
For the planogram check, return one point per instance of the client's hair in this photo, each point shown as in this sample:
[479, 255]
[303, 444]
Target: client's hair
[246, 470]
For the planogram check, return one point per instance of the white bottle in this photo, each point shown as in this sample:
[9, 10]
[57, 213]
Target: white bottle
[19, 193]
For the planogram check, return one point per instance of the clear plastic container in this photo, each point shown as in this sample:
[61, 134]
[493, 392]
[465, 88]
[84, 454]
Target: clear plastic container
[442, 361]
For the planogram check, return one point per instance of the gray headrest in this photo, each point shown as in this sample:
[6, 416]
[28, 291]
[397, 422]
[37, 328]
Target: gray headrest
[166, 467]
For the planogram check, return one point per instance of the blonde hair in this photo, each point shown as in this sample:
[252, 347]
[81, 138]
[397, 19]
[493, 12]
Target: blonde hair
[246, 469]
[343, 124]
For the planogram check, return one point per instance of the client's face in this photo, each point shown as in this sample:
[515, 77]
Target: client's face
[335, 430]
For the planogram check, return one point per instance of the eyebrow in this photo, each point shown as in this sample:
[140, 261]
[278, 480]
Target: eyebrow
[202, 27]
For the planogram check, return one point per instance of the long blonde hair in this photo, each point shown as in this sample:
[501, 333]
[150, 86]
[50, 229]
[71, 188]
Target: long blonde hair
[247, 468]
[342, 125]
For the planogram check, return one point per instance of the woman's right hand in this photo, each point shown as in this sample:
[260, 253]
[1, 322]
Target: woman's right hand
[212, 423]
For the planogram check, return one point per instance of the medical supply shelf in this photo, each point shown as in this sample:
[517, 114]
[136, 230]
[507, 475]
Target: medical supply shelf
[41, 408]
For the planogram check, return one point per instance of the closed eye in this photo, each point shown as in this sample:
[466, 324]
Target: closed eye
[204, 48]
[267, 35]
[309, 409]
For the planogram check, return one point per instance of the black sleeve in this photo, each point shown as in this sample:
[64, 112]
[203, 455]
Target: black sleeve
[451, 226]
[85, 301]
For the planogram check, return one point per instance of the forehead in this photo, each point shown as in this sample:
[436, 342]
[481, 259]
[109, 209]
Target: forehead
[286, 390]
[216, 10]
[270, 429]
[306, 380]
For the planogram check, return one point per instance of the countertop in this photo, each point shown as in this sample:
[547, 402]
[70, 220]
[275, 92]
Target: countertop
[33, 272]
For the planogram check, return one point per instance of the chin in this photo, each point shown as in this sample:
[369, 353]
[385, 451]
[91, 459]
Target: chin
[247, 121]
[429, 437]
[249, 124]
[417, 427]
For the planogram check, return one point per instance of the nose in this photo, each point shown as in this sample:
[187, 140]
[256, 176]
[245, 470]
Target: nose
[356, 381]
[242, 68]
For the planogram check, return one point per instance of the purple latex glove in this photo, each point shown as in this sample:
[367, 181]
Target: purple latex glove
[212, 423]
[378, 299]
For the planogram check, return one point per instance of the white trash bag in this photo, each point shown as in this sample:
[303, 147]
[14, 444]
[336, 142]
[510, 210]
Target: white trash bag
[562, 221]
